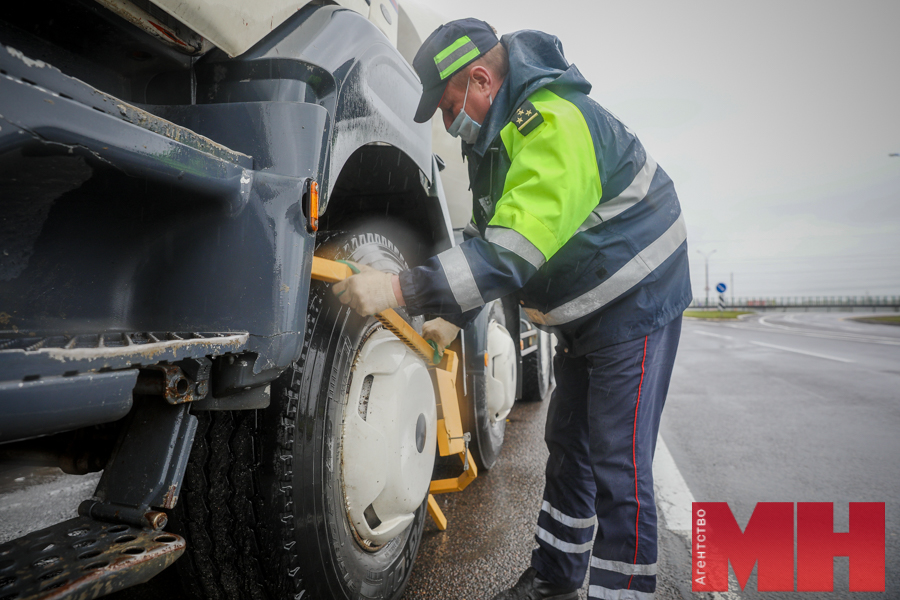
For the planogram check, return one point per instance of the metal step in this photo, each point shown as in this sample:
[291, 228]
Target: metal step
[83, 558]
[43, 354]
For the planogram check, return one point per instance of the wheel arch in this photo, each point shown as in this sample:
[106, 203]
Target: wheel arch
[381, 180]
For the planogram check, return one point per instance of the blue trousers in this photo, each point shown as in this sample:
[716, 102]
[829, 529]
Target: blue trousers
[602, 425]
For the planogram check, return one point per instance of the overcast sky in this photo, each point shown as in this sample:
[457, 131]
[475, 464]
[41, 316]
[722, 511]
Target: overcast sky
[774, 118]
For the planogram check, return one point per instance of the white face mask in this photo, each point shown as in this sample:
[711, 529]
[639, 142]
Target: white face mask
[464, 126]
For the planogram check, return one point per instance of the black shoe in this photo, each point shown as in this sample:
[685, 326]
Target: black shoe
[530, 587]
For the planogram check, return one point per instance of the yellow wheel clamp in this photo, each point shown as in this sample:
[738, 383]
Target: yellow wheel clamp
[443, 369]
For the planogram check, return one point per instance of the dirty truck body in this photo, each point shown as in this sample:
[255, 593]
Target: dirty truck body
[166, 180]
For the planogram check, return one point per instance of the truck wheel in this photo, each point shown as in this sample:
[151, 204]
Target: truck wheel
[493, 389]
[537, 369]
[323, 493]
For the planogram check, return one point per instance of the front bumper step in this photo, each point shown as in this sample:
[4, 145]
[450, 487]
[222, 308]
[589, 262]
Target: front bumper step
[29, 356]
[60, 382]
[83, 558]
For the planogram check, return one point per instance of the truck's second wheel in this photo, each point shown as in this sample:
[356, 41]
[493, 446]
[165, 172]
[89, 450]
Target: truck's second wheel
[493, 385]
[537, 369]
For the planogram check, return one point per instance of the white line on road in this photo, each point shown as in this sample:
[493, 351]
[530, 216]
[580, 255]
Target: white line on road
[674, 500]
[715, 335]
[833, 335]
[673, 497]
[843, 360]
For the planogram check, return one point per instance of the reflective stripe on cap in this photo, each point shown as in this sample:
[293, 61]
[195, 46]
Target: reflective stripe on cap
[455, 56]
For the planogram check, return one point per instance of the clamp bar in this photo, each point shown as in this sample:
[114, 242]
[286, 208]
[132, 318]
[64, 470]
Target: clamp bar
[331, 271]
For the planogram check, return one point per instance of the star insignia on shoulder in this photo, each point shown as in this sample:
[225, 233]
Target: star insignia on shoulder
[527, 118]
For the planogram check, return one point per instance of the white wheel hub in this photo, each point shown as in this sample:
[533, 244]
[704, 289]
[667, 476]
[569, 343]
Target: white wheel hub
[500, 372]
[389, 436]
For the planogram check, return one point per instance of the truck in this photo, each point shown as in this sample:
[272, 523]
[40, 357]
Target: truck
[169, 171]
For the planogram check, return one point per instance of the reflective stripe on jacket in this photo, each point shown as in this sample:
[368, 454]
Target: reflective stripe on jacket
[572, 215]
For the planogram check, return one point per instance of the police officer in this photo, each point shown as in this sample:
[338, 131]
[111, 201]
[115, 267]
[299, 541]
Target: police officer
[573, 217]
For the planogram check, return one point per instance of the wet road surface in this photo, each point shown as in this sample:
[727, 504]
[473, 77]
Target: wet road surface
[490, 529]
[34, 498]
[791, 407]
[490, 532]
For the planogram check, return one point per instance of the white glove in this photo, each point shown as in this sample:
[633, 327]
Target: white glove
[369, 292]
[440, 331]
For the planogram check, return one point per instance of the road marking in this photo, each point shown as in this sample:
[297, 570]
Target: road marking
[715, 335]
[843, 360]
[674, 500]
[673, 497]
[833, 335]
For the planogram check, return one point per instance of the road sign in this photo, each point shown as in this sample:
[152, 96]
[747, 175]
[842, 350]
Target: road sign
[720, 288]
[721, 301]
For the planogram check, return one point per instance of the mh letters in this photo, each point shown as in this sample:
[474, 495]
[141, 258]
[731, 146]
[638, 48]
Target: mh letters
[768, 542]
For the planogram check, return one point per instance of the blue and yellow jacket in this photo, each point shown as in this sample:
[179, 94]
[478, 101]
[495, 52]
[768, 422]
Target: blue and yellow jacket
[570, 214]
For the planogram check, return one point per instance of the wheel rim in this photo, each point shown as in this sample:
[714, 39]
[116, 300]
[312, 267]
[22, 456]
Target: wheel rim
[389, 436]
[500, 372]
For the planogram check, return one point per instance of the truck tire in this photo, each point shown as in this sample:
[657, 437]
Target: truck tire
[265, 506]
[537, 369]
[493, 390]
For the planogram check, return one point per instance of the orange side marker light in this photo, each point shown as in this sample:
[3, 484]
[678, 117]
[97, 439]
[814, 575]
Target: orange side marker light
[314, 206]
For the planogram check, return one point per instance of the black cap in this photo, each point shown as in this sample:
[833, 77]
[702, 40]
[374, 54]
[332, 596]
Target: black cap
[450, 48]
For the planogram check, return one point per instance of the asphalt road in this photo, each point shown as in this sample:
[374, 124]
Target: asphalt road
[31, 499]
[790, 407]
[491, 524]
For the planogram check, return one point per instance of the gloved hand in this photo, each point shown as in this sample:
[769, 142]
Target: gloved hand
[440, 331]
[368, 292]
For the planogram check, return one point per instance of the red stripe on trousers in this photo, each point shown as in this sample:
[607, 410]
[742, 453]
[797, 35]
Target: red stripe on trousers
[634, 461]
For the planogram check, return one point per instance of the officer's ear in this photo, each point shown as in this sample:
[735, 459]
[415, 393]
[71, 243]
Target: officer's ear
[482, 78]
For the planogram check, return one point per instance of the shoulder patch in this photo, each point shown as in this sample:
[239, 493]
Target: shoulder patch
[526, 118]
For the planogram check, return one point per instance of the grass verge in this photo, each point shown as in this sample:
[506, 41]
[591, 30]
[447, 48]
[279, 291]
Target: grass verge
[716, 314]
[885, 320]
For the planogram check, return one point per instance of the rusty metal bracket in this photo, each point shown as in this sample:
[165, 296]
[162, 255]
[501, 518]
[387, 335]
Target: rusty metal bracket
[170, 382]
[147, 465]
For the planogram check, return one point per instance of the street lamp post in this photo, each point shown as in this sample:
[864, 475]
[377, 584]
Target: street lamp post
[706, 256]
